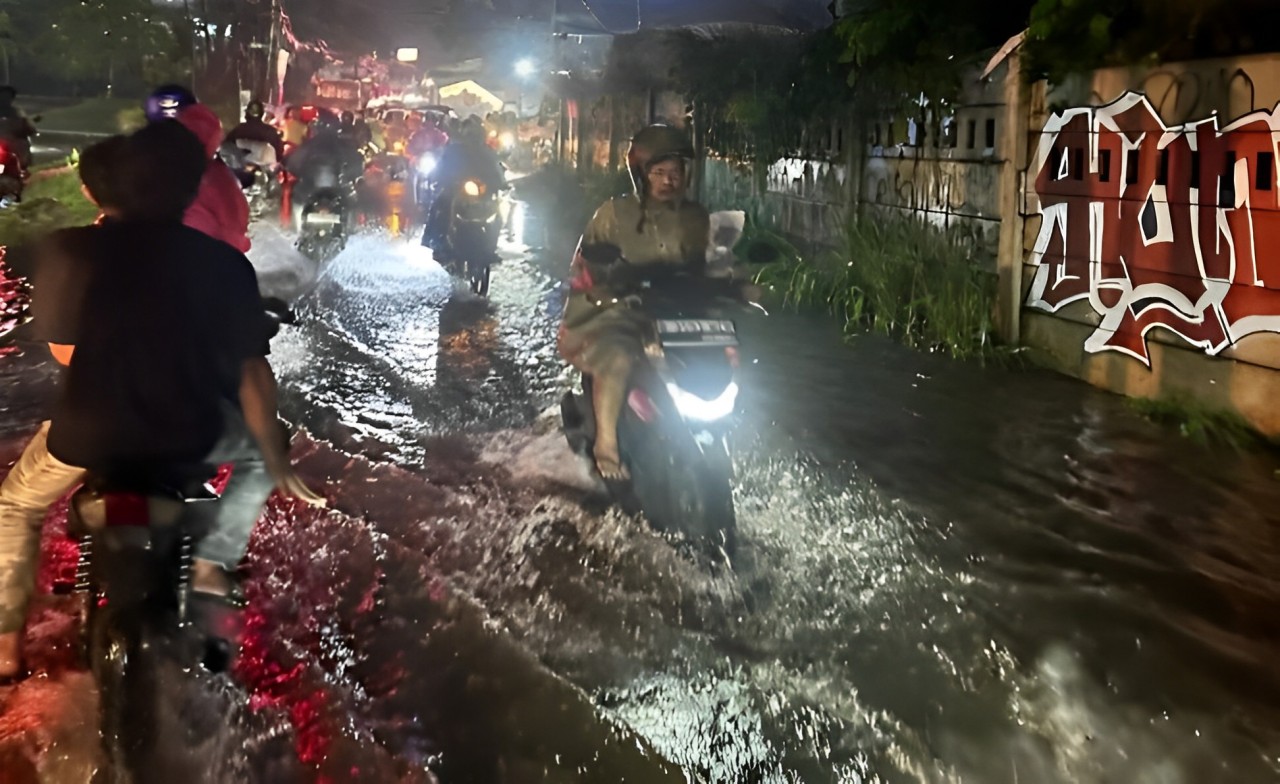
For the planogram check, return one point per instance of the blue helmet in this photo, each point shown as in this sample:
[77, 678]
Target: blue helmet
[165, 102]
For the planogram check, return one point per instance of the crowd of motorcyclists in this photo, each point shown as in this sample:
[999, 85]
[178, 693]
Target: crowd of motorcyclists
[154, 310]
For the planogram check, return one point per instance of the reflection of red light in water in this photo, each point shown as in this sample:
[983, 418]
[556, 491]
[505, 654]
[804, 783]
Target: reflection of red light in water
[13, 302]
[312, 592]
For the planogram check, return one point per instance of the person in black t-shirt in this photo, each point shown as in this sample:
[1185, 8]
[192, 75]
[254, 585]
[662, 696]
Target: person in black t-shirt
[38, 478]
[167, 338]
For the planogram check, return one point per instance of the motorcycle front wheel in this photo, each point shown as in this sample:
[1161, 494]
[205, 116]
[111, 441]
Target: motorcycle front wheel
[679, 487]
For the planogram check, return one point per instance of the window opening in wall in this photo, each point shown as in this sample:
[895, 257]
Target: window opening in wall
[891, 138]
[1131, 167]
[1162, 174]
[1227, 182]
[1104, 165]
[876, 139]
[840, 139]
[949, 133]
[991, 133]
[1063, 168]
[973, 134]
[1266, 174]
[1077, 163]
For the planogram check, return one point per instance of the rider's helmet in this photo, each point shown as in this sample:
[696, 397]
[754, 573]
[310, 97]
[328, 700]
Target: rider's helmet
[166, 101]
[348, 119]
[254, 111]
[472, 130]
[653, 145]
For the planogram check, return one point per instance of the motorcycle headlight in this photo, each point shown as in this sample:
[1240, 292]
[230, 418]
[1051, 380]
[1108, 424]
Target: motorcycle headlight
[507, 140]
[473, 188]
[693, 407]
[427, 163]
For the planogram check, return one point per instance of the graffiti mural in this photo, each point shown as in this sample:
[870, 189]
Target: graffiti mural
[1157, 226]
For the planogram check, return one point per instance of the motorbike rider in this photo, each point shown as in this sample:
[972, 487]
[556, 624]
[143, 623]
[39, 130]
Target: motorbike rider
[395, 130]
[38, 479]
[657, 228]
[220, 209]
[294, 130]
[170, 350]
[166, 101]
[325, 160]
[430, 138]
[14, 126]
[466, 156]
[353, 130]
[255, 129]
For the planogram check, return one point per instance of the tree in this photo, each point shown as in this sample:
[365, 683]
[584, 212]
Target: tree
[95, 42]
[899, 49]
[1066, 36]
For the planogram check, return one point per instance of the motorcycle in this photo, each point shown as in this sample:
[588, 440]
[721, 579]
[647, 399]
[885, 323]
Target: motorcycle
[144, 640]
[255, 166]
[468, 245]
[15, 155]
[322, 225]
[673, 434]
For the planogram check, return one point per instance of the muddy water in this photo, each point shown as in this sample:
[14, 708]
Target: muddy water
[953, 573]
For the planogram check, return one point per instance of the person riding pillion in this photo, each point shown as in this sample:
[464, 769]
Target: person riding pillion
[256, 129]
[657, 229]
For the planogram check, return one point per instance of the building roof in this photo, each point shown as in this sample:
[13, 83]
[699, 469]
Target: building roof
[616, 17]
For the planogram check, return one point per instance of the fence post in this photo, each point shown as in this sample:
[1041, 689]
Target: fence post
[1013, 154]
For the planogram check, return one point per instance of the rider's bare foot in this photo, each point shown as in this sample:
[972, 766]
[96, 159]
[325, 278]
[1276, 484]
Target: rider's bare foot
[609, 464]
[10, 655]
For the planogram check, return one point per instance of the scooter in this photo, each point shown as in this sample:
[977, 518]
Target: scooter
[468, 246]
[322, 231]
[673, 434]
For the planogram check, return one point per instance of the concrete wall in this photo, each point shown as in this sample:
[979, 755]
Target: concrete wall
[1151, 241]
[943, 166]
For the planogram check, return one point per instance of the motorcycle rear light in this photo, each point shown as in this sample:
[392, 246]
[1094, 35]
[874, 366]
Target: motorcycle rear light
[731, 354]
[126, 509]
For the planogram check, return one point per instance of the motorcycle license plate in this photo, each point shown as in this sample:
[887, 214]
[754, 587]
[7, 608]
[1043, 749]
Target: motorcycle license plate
[677, 333]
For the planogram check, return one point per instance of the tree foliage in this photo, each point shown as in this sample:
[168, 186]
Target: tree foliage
[898, 49]
[1066, 36]
[92, 42]
[754, 93]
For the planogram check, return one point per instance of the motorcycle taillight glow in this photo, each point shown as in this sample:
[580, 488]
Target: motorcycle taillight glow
[126, 509]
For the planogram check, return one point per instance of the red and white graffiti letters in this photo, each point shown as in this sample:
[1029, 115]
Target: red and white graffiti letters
[1174, 227]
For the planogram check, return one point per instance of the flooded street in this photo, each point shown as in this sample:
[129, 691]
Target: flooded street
[949, 573]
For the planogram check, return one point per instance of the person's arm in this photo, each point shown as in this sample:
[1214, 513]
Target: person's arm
[258, 393]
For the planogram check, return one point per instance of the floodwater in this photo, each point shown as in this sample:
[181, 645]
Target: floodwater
[949, 573]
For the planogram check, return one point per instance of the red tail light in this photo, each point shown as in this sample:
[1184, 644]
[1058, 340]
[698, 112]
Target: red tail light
[126, 509]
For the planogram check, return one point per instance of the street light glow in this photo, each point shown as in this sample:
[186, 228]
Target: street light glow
[525, 68]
